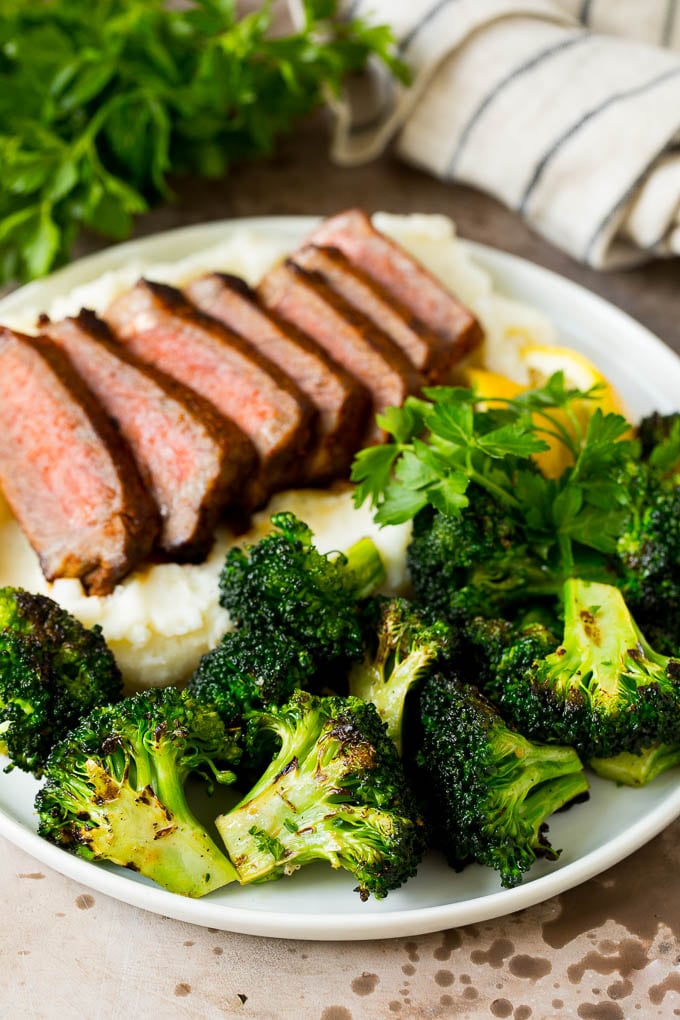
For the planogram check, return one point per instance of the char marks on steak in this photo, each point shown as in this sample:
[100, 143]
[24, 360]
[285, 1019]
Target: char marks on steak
[68, 476]
[347, 335]
[427, 351]
[159, 325]
[192, 460]
[341, 402]
[401, 276]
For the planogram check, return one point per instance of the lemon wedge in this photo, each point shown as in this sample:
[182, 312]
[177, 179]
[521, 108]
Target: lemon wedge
[542, 361]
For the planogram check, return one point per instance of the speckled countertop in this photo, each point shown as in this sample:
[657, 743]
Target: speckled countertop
[608, 950]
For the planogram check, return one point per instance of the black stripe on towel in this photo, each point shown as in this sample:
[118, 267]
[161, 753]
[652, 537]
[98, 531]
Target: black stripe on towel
[584, 15]
[667, 147]
[546, 159]
[528, 65]
[669, 23]
[429, 16]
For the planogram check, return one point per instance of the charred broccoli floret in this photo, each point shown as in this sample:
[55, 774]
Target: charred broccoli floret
[115, 789]
[486, 790]
[53, 670]
[406, 646]
[299, 619]
[648, 555]
[476, 563]
[603, 689]
[335, 791]
[244, 673]
[285, 583]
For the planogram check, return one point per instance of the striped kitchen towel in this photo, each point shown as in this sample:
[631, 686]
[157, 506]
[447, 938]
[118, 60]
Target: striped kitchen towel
[577, 130]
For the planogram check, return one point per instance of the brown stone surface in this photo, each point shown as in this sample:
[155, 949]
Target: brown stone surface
[605, 951]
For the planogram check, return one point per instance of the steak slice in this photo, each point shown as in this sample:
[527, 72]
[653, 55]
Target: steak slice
[67, 474]
[159, 325]
[192, 460]
[346, 334]
[342, 404]
[432, 356]
[402, 276]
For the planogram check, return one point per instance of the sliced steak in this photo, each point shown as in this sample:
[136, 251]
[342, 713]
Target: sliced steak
[160, 326]
[192, 460]
[342, 403]
[67, 474]
[402, 276]
[426, 350]
[346, 334]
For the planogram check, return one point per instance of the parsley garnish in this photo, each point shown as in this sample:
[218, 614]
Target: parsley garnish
[100, 100]
[455, 437]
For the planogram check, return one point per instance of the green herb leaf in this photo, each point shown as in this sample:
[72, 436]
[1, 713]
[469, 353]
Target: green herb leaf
[101, 99]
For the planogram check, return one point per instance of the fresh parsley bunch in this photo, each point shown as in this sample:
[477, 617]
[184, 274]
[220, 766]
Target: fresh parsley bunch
[455, 437]
[100, 100]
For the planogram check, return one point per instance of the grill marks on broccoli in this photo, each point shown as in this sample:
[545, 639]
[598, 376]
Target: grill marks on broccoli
[603, 689]
[335, 791]
[53, 670]
[115, 789]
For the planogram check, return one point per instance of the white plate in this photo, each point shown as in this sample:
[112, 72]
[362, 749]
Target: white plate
[318, 903]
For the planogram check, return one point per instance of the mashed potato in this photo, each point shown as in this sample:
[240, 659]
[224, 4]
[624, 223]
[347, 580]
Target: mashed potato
[161, 619]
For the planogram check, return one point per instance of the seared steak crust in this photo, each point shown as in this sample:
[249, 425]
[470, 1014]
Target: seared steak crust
[402, 276]
[346, 334]
[159, 325]
[341, 402]
[191, 459]
[432, 356]
[67, 474]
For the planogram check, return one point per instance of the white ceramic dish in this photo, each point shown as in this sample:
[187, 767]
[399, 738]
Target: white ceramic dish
[318, 903]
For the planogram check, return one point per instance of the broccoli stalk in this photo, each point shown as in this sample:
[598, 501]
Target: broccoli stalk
[637, 769]
[486, 790]
[408, 646]
[53, 670]
[115, 789]
[603, 690]
[335, 791]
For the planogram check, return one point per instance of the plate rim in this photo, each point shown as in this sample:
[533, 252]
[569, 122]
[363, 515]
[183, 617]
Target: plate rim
[345, 927]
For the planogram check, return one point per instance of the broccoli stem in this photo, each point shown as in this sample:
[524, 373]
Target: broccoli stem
[548, 797]
[368, 682]
[637, 769]
[139, 830]
[365, 562]
[536, 777]
[286, 820]
[603, 644]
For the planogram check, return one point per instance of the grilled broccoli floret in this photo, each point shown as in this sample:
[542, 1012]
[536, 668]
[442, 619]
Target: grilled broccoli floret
[335, 791]
[246, 672]
[285, 583]
[299, 619]
[637, 769]
[115, 789]
[486, 790]
[648, 555]
[603, 689]
[406, 647]
[53, 670]
[476, 563]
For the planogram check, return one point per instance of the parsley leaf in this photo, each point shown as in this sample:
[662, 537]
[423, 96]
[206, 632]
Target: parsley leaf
[100, 100]
[444, 443]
